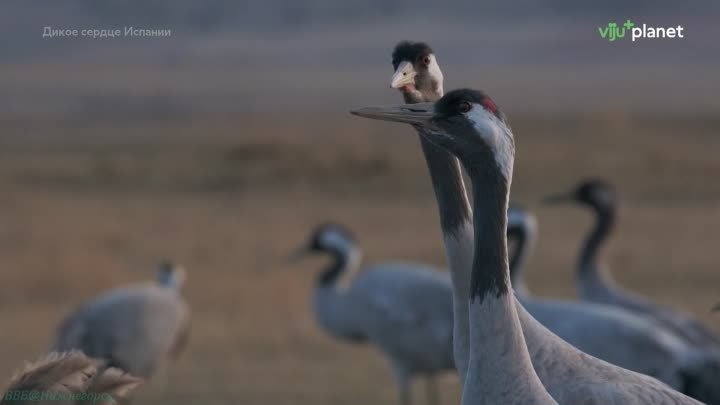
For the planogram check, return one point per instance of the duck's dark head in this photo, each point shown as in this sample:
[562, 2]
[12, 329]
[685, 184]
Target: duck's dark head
[416, 72]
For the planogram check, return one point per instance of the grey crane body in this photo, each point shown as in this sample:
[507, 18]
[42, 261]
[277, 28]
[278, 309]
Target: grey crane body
[574, 377]
[608, 333]
[403, 309]
[337, 316]
[416, 315]
[134, 328]
[502, 335]
[619, 338]
[595, 283]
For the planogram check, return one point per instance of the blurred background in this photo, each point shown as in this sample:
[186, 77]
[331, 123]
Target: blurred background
[224, 144]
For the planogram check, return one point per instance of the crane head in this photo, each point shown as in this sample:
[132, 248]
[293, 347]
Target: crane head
[170, 274]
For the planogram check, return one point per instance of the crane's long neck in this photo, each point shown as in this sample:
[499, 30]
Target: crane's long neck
[344, 264]
[589, 267]
[522, 237]
[332, 310]
[449, 188]
[500, 370]
[172, 279]
[456, 223]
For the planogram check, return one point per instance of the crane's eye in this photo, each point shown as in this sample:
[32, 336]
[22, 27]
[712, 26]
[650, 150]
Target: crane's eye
[426, 60]
[464, 106]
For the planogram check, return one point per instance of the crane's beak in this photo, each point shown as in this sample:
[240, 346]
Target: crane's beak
[415, 114]
[558, 199]
[403, 76]
[298, 254]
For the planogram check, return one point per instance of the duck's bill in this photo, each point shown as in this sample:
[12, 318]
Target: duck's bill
[415, 114]
[403, 76]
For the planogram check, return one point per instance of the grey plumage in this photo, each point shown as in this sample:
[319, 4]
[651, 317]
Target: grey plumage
[133, 328]
[403, 309]
[499, 371]
[420, 80]
[608, 333]
[455, 215]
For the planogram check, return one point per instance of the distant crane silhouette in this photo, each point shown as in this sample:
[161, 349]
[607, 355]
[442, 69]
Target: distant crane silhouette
[134, 328]
[403, 309]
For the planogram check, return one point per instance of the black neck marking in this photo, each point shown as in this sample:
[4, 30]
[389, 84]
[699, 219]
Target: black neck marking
[446, 177]
[490, 273]
[604, 222]
[448, 185]
[336, 267]
[519, 235]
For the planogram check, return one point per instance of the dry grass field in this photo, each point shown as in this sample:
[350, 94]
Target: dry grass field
[89, 204]
[224, 151]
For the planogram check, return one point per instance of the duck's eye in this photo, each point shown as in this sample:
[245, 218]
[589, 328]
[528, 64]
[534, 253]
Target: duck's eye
[426, 60]
[464, 106]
